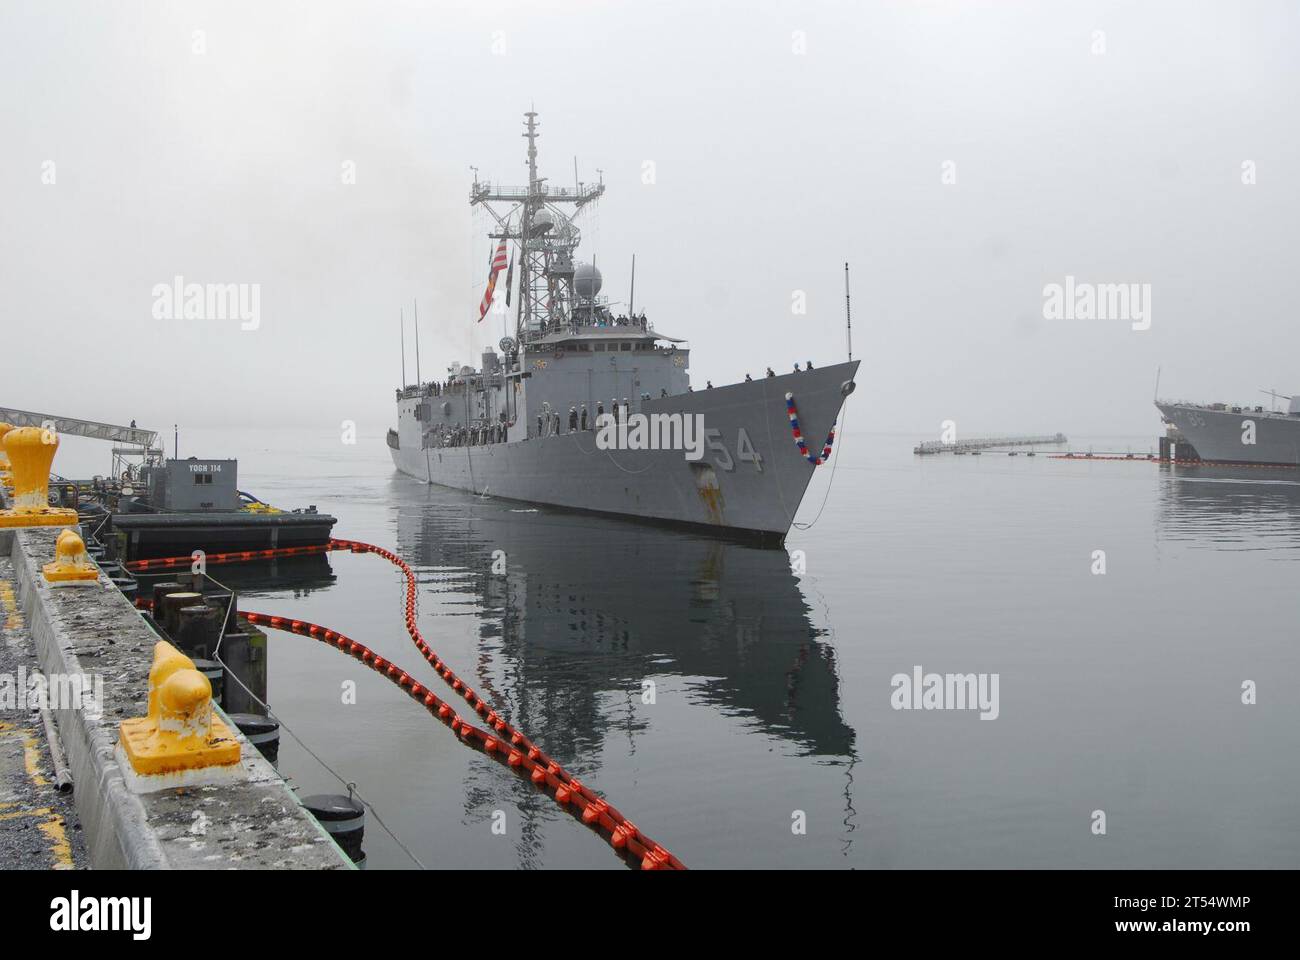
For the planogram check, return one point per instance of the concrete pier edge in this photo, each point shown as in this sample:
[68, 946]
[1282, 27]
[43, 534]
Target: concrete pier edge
[125, 830]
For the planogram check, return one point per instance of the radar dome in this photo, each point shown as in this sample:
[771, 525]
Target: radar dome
[586, 280]
[542, 223]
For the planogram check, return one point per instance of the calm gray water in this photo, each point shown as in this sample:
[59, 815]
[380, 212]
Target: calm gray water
[1118, 692]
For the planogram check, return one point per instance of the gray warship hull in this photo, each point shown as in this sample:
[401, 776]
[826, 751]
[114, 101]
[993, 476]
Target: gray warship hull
[748, 489]
[1223, 434]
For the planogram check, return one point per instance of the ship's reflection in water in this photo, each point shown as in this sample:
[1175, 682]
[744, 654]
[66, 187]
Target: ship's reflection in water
[574, 608]
[581, 620]
[1231, 508]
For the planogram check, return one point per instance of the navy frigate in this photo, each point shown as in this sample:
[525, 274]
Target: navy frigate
[588, 407]
[1226, 433]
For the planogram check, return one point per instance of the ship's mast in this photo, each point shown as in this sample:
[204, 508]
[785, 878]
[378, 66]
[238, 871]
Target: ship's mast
[547, 237]
[526, 227]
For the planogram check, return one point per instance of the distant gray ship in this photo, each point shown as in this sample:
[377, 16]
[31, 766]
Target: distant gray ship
[591, 410]
[1222, 433]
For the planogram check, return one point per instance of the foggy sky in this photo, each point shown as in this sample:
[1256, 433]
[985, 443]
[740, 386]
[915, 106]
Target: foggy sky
[772, 169]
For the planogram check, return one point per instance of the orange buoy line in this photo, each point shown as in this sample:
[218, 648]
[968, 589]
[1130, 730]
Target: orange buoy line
[619, 832]
[1136, 458]
[234, 556]
[509, 746]
[1152, 458]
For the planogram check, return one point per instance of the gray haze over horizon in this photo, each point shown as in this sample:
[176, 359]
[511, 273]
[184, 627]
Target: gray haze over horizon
[772, 168]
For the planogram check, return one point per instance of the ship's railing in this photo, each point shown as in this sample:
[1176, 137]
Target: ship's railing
[575, 326]
[479, 432]
[487, 191]
[632, 323]
[1217, 407]
[455, 388]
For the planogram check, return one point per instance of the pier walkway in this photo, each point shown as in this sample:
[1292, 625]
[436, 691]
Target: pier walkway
[39, 827]
[253, 821]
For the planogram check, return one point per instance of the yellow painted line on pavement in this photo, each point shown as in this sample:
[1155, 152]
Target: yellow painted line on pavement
[52, 826]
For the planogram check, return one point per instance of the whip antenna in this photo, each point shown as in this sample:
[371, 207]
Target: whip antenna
[848, 313]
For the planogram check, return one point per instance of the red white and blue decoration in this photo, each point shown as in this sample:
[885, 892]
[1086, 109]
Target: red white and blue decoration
[793, 412]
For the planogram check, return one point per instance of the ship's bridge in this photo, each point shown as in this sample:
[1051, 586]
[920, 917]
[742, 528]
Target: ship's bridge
[578, 337]
[576, 366]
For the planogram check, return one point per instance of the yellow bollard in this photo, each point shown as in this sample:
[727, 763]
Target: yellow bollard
[31, 451]
[71, 565]
[6, 478]
[180, 742]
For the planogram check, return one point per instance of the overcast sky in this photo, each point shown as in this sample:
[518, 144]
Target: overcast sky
[1104, 141]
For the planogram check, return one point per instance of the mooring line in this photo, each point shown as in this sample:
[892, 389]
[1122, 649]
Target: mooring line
[144, 604]
[352, 787]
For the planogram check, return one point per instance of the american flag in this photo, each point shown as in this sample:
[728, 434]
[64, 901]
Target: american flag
[498, 264]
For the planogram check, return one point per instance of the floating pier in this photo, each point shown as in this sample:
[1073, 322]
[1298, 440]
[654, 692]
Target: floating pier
[977, 444]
